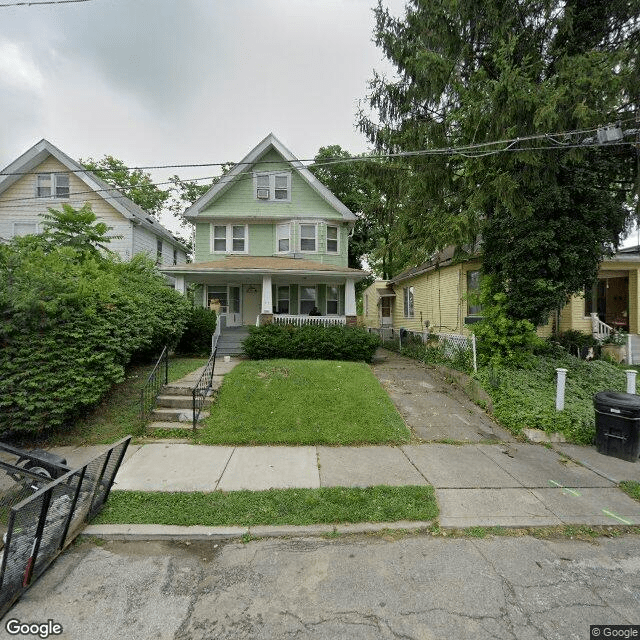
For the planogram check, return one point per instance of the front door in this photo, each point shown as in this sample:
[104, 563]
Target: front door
[229, 300]
[385, 311]
[234, 314]
[251, 300]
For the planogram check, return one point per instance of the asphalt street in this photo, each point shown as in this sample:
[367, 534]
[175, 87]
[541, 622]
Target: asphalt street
[415, 587]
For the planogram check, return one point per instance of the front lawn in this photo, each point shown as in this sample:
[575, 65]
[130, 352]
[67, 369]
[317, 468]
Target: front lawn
[275, 506]
[302, 402]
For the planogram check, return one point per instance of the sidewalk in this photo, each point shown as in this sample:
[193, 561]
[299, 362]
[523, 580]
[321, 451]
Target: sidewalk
[507, 484]
[476, 485]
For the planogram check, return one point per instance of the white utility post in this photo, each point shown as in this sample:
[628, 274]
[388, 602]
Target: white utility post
[562, 377]
[631, 380]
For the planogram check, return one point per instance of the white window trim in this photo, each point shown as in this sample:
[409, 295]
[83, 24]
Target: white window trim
[278, 226]
[337, 300]
[53, 176]
[288, 298]
[310, 224]
[304, 286]
[30, 222]
[228, 249]
[408, 303]
[326, 239]
[272, 186]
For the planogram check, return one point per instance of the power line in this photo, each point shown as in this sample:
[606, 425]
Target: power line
[30, 3]
[468, 151]
[450, 150]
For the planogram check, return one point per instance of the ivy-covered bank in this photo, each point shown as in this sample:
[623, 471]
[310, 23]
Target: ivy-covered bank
[71, 319]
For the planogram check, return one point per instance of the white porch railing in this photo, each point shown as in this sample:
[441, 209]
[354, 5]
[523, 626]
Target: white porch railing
[301, 320]
[600, 329]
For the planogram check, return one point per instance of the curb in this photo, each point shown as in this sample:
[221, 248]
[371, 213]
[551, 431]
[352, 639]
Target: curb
[134, 532]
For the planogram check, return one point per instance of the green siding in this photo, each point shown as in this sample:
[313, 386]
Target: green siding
[261, 239]
[322, 298]
[239, 200]
[239, 203]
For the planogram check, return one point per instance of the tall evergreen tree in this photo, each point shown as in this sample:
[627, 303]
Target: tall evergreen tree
[471, 72]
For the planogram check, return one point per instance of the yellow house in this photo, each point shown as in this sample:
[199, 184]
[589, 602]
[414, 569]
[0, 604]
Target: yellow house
[434, 297]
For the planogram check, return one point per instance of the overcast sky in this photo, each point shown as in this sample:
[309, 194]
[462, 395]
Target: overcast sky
[185, 81]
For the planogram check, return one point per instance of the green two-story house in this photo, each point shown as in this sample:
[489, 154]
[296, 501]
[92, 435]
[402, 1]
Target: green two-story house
[271, 245]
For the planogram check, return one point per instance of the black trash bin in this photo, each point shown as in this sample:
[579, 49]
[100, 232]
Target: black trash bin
[618, 424]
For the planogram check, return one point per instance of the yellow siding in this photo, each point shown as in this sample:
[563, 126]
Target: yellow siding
[370, 307]
[19, 204]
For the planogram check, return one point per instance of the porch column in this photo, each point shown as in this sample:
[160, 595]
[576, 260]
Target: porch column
[266, 313]
[180, 285]
[350, 301]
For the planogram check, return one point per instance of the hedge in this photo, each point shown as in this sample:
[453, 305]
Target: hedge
[69, 324]
[310, 342]
[196, 338]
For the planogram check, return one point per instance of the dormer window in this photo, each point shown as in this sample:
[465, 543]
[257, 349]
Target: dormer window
[52, 185]
[272, 186]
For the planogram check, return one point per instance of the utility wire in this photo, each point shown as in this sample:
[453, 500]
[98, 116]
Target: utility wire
[451, 150]
[29, 3]
[248, 175]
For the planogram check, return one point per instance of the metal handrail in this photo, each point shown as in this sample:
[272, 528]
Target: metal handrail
[200, 392]
[151, 389]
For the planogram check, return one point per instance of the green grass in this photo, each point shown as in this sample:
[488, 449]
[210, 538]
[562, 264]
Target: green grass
[275, 506]
[524, 397]
[118, 413]
[302, 402]
[631, 488]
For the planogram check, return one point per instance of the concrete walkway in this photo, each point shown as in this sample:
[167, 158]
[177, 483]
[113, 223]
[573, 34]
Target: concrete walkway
[477, 484]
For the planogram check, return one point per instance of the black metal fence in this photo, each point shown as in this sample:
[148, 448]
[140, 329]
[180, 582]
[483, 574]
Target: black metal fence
[157, 379]
[202, 389]
[42, 524]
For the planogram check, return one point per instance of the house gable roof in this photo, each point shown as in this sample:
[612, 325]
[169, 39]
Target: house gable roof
[40, 151]
[254, 156]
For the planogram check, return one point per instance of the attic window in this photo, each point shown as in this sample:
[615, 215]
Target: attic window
[52, 185]
[272, 186]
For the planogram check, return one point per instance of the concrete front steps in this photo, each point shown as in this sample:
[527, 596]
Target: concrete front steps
[230, 341]
[174, 409]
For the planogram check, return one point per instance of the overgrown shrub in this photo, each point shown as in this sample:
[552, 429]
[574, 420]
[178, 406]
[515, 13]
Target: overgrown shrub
[310, 342]
[70, 321]
[524, 397]
[577, 343]
[196, 337]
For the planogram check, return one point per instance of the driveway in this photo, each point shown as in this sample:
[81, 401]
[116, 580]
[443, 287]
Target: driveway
[433, 408]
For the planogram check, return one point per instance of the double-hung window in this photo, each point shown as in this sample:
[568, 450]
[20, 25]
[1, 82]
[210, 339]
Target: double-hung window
[229, 238]
[283, 299]
[332, 239]
[283, 238]
[272, 186]
[408, 302]
[473, 288]
[308, 237]
[332, 300]
[52, 185]
[307, 299]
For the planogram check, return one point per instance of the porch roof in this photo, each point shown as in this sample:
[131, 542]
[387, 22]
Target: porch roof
[262, 265]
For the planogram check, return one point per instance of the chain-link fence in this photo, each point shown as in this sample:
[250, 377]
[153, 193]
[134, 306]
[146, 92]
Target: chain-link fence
[453, 348]
[39, 525]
